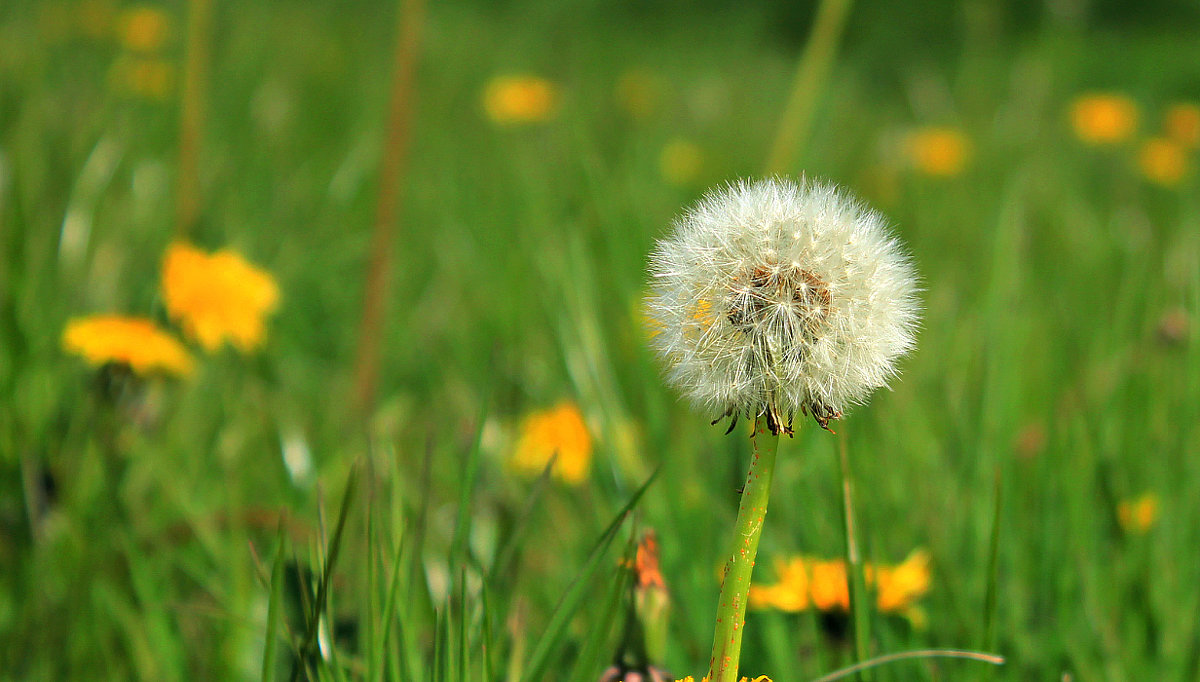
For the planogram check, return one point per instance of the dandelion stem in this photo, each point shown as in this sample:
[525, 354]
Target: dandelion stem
[735, 586]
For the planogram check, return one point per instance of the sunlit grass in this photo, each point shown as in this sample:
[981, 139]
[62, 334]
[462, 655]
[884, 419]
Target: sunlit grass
[183, 529]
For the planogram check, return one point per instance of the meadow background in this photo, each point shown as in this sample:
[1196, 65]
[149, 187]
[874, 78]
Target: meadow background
[160, 528]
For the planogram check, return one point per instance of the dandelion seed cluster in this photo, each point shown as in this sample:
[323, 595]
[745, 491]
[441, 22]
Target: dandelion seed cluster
[780, 297]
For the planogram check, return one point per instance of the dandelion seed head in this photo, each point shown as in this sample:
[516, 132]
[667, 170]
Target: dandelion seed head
[780, 295]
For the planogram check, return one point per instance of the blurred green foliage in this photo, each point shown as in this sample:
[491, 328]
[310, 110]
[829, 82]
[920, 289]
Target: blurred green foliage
[1048, 357]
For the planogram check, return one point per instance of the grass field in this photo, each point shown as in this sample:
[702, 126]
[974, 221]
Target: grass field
[178, 528]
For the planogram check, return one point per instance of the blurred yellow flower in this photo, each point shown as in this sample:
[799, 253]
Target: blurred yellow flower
[132, 341]
[1139, 514]
[217, 297]
[807, 582]
[639, 92]
[149, 78]
[702, 315]
[897, 588]
[1181, 123]
[680, 162]
[760, 678]
[827, 585]
[143, 29]
[560, 431]
[789, 594]
[1163, 161]
[1101, 118]
[520, 99]
[939, 152]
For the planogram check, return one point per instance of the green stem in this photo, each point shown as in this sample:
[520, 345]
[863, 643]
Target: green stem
[735, 586]
[811, 75]
[859, 597]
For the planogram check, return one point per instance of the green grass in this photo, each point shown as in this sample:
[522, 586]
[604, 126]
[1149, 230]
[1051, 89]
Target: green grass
[159, 535]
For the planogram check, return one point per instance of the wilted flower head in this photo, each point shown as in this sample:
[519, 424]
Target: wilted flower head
[775, 297]
[217, 296]
[132, 341]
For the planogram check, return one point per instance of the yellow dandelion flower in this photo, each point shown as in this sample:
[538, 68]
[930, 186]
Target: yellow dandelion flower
[560, 431]
[897, 587]
[827, 585]
[807, 582]
[680, 162]
[1139, 514]
[217, 297]
[639, 93]
[790, 594]
[760, 678]
[940, 152]
[1102, 118]
[143, 29]
[149, 78]
[1163, 161]
[520, 99]
[132, 341]
[1181, 123]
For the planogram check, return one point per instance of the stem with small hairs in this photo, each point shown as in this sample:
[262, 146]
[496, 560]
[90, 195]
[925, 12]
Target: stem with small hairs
[735, 585]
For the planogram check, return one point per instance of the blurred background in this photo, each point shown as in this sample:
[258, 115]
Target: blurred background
[169, 500]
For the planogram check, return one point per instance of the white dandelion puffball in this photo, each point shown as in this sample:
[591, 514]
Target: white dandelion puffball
[776, 297]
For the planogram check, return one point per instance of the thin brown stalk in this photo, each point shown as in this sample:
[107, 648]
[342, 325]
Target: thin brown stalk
[387, 205]
[192, 110]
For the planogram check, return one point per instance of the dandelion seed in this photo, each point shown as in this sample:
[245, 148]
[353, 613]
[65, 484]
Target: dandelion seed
[132, 341]
[774, 298]
[1103, 118]
[510, 100]
[558, 431]
[218, 297]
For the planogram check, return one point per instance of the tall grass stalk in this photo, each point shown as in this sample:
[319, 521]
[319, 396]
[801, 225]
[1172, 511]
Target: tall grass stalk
[859, 597]
[387, 204]
[811, 74]
[192, 111]
[735, 585]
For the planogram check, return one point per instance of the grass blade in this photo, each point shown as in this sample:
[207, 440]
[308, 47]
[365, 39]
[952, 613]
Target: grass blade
[274, 605]
[589, 659]
[573, 597]
[462, 526]
[859, 597]
[309, 649]
[989, 604]
[908, 655]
